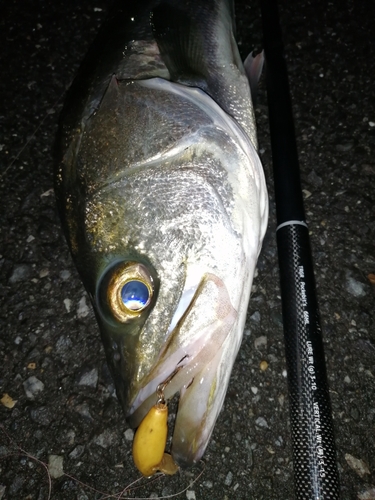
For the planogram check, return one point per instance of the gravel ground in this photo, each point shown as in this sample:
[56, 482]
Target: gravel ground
[52, 362]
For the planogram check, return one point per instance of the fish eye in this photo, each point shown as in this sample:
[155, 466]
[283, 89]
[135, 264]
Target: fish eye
[135, 295]
[130, 290]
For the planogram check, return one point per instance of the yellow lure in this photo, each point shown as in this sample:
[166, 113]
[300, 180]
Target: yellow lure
[149, 443]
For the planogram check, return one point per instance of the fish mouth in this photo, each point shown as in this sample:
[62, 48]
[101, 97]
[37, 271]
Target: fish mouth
[190, 363]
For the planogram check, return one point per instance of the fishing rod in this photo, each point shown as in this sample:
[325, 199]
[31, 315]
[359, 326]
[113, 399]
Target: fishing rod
[314, 452]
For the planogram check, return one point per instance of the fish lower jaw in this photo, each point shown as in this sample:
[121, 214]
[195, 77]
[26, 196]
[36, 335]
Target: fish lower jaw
[190, 434]
[200, 401]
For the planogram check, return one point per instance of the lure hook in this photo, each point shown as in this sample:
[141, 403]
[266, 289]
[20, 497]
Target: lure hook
[162, 386]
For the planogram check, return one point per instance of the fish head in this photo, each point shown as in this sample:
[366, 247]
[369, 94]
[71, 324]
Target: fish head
[166, 246]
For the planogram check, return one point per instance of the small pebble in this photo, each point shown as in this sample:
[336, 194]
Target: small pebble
[228, 479]
[8, 401]
[263, 365]
[355, 414]
[55, 466]
[89, 378]
[129, 434]
[82, 309]
[68, 305]
[63, 345]
[70, 436]
[190, 495]
[84, 410]
[261, 422]
[347, 379]
[20, 273]
[314, 179]
[355, 287]
[106, 439]
[65, 275]
[260, 342]
[77, 452]
[33, 386]
[254, 390]
[49, 192]
[359, 466]
[255, 317]
[279, 441]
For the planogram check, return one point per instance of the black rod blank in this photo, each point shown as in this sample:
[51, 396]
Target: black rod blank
[314, 452]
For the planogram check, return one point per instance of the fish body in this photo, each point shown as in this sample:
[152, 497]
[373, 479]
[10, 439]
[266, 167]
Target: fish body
[164, 205]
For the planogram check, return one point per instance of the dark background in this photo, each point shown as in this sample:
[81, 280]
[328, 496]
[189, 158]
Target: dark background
[330, 55]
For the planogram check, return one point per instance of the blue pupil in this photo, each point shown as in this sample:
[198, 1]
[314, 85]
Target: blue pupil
[135, 295]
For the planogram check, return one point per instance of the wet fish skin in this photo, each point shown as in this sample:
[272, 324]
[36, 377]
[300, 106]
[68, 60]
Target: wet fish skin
[157, 165]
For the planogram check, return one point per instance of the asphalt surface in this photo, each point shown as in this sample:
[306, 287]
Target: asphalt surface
[52, 364]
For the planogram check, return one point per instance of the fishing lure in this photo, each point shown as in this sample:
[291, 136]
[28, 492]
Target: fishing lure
[151, 437]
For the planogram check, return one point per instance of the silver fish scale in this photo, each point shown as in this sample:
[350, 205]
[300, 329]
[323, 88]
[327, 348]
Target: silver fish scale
[177, 210]
[114, 137]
